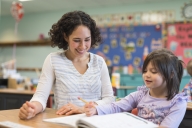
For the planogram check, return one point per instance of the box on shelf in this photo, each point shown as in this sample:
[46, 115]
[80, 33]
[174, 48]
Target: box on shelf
[12, 83]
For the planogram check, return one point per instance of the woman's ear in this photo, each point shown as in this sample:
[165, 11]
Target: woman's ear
[66, 38]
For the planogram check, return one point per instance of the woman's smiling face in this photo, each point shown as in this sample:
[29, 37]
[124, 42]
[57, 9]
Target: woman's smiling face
[79, 41]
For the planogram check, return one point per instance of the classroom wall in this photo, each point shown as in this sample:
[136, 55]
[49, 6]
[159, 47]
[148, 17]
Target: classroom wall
[34, 24]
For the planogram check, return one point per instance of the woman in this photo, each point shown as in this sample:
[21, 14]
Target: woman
[73, 72]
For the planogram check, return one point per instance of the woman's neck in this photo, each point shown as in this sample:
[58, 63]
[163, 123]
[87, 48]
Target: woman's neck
[73, 58]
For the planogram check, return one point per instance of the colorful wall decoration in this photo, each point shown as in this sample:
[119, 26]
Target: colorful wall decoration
[128, 45]
[179, 40]
[136, 18]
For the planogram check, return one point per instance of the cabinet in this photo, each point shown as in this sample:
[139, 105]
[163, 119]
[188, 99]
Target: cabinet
[1, 103]
[14, 99]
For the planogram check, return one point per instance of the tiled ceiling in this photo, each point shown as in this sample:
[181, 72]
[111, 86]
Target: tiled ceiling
[36, 6]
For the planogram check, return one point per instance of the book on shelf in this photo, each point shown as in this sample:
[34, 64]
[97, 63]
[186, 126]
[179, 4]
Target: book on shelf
[116, 120]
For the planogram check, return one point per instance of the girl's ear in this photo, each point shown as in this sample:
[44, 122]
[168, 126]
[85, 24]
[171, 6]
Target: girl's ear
[66, 38]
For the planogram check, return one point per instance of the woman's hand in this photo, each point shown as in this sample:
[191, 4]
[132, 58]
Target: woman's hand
[27, 111]
[90, 109]
[70, 109]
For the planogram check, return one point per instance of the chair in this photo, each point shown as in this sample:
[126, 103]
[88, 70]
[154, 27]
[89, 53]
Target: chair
[50, 102]
[134, 111]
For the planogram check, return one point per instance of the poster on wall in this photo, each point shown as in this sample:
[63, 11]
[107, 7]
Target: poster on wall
[179, 40]
[128, 45]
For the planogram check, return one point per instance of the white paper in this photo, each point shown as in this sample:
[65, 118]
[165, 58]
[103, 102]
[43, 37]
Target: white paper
[66, 120]
[13, 125]
[118, 120]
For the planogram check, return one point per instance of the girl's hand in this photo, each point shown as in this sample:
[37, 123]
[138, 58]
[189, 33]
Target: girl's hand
[70, 109]
[90, 109]
[27, 110]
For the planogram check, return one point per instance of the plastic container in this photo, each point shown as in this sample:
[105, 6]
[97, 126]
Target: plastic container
[115, 80]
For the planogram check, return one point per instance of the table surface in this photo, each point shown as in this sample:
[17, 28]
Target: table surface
[15, 91]
[36, 122]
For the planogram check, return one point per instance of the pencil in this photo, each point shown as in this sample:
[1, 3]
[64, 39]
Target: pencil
[82, 100]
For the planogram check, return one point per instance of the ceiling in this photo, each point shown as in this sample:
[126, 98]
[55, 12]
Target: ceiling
[36, 6]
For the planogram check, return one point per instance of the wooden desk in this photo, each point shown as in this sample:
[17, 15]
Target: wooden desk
[36, 122]
[189, 106]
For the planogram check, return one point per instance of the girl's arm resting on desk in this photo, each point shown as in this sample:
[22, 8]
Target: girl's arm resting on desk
[124, 105]
[174, 118]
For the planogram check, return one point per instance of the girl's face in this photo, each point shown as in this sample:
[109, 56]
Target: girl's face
[79, 41]
[153, 78]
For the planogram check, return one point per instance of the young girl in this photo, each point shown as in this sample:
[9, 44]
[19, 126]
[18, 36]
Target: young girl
[158, 101]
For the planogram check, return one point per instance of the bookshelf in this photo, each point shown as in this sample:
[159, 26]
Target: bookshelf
[28, 69]
[26, 43]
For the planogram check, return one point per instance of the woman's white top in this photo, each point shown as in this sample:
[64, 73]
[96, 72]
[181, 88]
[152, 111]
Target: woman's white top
[60, 75]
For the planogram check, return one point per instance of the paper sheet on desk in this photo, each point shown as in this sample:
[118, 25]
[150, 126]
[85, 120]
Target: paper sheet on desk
[116, 120]
[8, 124]
[66, 120]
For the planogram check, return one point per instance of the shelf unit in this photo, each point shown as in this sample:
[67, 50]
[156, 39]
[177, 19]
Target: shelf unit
[28, 69]
[26, 43]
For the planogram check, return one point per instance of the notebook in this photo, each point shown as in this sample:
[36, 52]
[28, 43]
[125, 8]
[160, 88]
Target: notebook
[116, 120]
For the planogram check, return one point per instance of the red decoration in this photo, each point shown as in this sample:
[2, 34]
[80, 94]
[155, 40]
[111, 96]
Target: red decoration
[130, 17]
[17, 11]
[157, 27]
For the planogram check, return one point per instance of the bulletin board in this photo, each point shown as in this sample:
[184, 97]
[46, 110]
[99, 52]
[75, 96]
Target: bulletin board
[179, 40]
[128, 45]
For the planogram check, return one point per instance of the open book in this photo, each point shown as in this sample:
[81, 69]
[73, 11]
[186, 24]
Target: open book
[117, 120]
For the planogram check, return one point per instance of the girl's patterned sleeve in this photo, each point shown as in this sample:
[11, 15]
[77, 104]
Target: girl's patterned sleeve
[124, 105]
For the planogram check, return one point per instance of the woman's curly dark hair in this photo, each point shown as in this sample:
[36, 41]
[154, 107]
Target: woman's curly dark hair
[68, 23]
